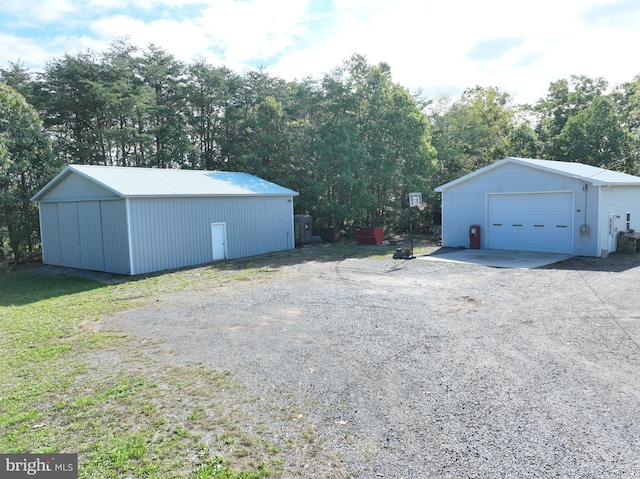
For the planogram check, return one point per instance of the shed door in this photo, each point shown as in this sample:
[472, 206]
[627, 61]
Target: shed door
[531, 222]
[218, 241]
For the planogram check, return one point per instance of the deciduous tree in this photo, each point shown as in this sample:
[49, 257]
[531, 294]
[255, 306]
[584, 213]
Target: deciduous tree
[26, 164]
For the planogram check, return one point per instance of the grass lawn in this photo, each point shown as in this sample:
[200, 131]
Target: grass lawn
[67, 388]
[128, 417]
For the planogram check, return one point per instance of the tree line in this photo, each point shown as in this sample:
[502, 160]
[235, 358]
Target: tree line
[353, 143]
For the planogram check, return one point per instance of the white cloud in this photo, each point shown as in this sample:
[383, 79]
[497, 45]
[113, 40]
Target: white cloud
[227, 31]
[255, 28]
[30, 52]
[39, 12]
[428, 44]
[184, 39]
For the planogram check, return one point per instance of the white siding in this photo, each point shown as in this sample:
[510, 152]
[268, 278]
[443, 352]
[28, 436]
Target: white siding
[618, 201]
[465, 203]
[462, 207]
[175, 232]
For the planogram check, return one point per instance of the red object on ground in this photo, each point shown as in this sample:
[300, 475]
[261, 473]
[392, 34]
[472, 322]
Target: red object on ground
[474, 236]
[372, 235]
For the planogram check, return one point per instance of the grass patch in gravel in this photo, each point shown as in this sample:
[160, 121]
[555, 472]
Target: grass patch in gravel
[66, 388]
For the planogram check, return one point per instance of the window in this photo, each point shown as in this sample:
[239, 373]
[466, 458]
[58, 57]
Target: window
[628, 221]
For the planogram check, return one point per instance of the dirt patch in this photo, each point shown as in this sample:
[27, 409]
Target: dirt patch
[381, 368]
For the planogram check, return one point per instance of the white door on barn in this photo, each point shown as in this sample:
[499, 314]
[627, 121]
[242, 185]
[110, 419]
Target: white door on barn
[530, 222]
[219, 241]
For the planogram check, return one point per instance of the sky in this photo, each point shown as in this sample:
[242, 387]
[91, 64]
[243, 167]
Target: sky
[438, 47]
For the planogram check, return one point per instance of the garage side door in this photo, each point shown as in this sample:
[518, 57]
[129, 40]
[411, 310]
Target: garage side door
[531, 222]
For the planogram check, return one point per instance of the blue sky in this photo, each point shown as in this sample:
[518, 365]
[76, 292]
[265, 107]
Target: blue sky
[437, 46]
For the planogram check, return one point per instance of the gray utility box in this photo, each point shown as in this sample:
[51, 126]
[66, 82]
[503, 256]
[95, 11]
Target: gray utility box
[303, 227]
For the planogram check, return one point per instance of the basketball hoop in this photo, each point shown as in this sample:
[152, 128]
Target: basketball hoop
[415, 199]
[421, 206]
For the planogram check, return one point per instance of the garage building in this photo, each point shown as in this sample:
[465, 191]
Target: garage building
[539, 205]
[140, 220]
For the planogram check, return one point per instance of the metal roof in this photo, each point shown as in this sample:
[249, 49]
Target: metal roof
[589, 174]
[129, 182]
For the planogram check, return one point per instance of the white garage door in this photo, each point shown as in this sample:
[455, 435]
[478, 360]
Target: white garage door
[531, 222]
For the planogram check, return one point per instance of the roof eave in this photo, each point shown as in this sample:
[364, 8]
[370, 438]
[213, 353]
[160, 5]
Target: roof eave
[214, 195]
[523, 162]
[586, 179]
[621, 183]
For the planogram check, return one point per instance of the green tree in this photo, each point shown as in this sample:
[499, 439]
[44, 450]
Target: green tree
[128, 102]
[627, 99]
[266, 151]
[18, 77]
[74, 104]
[579, 122]
[26, 164]
[208, 96]
[524, 141]
[594, 135]
[371, 144]
[473, 132]
[564, 99]
[166, 112]
[258, 99]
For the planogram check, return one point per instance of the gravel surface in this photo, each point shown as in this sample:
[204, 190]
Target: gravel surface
[419, 369]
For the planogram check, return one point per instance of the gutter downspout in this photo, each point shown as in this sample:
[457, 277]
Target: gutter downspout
[598, 222]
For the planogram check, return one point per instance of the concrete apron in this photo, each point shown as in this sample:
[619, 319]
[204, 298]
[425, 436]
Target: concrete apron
[499, 258]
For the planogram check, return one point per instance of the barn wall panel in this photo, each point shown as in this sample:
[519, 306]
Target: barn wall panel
[50, 234]
[174, 232]
[69, 227]
[90, 235]
[115, 236]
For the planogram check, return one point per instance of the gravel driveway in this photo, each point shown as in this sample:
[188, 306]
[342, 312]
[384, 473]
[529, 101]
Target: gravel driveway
[417, 369]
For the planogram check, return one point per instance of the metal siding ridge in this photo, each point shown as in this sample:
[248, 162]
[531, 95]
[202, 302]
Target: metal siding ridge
[129, 241]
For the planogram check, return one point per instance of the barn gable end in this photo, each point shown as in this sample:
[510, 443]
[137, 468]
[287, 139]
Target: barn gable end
[73, 187]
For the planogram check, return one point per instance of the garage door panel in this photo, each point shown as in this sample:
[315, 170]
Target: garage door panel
[531, 222]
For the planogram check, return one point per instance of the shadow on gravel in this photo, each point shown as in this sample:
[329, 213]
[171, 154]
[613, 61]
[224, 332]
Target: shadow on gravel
[325, 252]
[614, 263]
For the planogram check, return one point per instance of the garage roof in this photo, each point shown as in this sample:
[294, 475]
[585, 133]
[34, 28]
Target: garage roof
[143, 182]
[589, 174]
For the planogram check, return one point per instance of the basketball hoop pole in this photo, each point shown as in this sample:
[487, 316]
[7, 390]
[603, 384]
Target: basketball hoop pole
[414, 200]
[410, 232]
